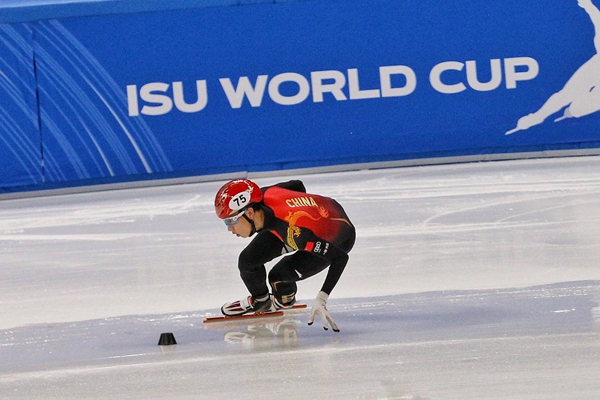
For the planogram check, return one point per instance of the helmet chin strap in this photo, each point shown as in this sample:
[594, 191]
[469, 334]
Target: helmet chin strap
[253, 231]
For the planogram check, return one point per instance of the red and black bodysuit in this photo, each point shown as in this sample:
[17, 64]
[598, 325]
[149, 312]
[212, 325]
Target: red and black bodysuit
[315, 227]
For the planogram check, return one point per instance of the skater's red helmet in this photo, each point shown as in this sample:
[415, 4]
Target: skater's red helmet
[235, 196]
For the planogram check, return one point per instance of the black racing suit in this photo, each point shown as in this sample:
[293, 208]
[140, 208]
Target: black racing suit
[316, 228]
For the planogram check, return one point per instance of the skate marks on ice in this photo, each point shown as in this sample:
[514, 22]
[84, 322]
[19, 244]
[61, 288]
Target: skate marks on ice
[581, 94]
[420, 346]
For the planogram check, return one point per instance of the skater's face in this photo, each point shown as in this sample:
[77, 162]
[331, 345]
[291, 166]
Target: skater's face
[241, 227]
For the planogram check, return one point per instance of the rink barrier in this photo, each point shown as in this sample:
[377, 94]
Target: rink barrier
[277, 174]
[142, 92]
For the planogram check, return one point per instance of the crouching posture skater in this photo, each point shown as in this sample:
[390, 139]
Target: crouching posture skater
[314, 229]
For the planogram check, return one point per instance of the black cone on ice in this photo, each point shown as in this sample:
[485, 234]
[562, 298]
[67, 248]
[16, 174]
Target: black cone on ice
[166, 339]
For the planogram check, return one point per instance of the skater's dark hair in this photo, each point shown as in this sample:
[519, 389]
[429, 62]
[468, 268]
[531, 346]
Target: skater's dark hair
[256, 206]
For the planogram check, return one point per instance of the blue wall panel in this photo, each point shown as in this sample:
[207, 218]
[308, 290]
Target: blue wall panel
[87, 132]
[20, 143]
[277, 85]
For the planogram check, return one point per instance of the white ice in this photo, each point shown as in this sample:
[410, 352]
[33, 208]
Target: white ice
[468, 281]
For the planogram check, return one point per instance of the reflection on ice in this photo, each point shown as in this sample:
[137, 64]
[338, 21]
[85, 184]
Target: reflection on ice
[282, 333]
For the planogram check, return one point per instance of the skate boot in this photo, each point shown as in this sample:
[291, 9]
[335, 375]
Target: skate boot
[247, 305]
[285, 302]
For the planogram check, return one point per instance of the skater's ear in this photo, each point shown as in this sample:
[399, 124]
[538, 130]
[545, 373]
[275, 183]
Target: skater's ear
[257, 216]
[253, 209]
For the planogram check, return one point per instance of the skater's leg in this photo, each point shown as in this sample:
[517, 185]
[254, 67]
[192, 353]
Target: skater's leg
[554, 104]
[576, 90]
[594, 14]
[263, 248]
[586, 104]
[584, 90]
[296, 267]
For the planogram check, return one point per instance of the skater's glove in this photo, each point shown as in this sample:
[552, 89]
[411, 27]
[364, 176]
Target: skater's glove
[320, 308]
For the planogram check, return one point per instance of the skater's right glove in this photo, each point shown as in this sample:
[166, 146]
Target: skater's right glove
[320, 308]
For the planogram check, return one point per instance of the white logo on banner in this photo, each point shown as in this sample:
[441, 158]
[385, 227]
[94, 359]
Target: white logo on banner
[581, 93]
[158, 98]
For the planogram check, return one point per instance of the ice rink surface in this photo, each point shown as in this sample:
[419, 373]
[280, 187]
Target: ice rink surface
[468, 281]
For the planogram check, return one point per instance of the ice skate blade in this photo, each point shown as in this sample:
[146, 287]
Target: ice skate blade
[268, 314]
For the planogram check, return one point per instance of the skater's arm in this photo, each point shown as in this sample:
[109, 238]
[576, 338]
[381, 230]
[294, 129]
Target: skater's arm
[594, 14]
[338, 259]
[590, 8]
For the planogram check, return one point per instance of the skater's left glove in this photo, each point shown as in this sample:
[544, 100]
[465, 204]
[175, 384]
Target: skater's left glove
[320, 308]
